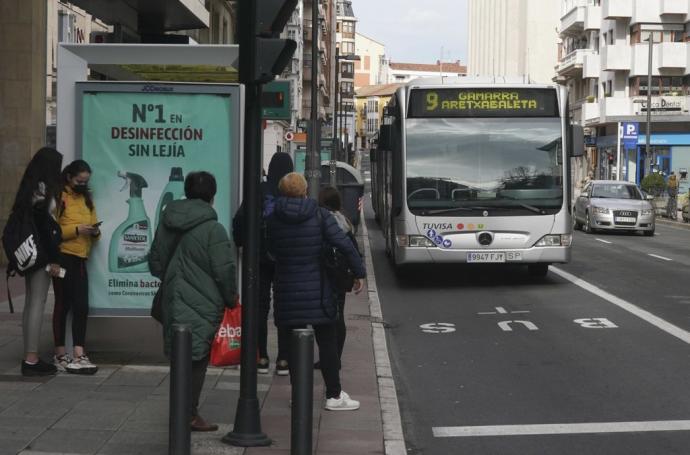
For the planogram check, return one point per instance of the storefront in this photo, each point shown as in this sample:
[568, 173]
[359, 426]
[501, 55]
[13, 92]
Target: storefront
[668, 152]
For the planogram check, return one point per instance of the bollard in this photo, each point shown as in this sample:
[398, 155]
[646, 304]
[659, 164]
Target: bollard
[179, 431]
[302, 378]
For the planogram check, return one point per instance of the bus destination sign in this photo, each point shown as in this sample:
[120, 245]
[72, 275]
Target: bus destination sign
[483, 102]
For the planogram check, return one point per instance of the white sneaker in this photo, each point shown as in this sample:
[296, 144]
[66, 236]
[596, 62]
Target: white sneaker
[61, 362]
[342, 403]
[81, 365]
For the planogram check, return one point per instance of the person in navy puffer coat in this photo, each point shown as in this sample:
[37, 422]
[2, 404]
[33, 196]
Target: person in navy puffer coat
[302, 294]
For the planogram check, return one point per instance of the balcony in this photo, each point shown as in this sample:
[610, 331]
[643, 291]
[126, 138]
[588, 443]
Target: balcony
[590, 113]
[616, 107]
[671, 7]
[574, 21]
[616, 57]
[592, 17]
[672, 55]
[591, 68]
[616, 9]
[572, 63]
[640, 59]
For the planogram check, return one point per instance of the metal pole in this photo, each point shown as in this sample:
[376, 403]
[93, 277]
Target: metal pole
[334, 151]
[313, 165]
[618, 153]
[247, 428]
[179, 429]
[648, 134]
[302, 371]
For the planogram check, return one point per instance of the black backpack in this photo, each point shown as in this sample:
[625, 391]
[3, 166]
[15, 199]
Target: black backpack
[335, 264]
[21, 243]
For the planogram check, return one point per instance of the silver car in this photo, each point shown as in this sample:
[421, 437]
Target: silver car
[613, 205]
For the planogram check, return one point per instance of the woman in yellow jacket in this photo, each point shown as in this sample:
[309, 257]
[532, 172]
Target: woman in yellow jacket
[79, 224]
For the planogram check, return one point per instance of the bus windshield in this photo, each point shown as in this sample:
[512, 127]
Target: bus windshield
[505, 166]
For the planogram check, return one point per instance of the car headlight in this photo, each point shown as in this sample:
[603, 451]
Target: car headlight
[601, 210]
[555, 240]
[646, 212]
[420, 241]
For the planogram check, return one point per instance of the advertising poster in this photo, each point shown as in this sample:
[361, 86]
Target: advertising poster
[140, 146]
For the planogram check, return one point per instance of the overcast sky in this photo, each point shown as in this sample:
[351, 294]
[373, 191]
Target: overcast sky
[414, 31]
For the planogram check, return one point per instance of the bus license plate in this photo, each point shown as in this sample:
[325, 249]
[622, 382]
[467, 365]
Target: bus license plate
[486, 257]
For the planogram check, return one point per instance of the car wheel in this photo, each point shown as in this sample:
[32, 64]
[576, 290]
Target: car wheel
[538, 270]
[587, 227]
[576, 224]
[649, 233]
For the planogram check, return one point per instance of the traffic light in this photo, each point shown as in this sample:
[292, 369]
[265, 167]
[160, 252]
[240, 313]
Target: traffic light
[272, 54]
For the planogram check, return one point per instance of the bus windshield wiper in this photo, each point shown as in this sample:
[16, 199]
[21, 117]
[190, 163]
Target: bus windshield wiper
[524, 206]
[451, 210]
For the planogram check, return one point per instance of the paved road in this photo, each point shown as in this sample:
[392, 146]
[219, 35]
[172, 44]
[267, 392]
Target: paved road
[576, 376]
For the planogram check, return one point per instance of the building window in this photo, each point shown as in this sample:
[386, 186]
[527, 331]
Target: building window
[348, 27]
[665, 85]
[347, 47]
[676, 34]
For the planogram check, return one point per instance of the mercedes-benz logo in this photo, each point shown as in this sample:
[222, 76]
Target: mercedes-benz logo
[485, 238]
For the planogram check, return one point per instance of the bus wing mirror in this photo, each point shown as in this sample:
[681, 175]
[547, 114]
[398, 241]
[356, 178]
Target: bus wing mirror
[577, 141]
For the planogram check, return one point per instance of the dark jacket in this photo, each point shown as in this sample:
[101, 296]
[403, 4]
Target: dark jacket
[302, 294]
[200, 279]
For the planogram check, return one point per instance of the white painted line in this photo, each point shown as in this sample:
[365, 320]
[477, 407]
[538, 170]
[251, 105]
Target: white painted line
[625, 305]
[603, 241]
[659, 257]
[393, 439]
[562, 428]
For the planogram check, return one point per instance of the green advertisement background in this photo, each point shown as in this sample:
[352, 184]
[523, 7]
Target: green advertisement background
[103, 111]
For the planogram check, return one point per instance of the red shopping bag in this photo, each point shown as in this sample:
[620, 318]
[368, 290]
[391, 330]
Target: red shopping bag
[226, 347]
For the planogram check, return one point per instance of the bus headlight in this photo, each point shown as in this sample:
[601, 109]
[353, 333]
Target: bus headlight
[420, 241]
[555, 240]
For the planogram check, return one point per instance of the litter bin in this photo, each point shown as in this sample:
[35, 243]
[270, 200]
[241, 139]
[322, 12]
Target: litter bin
[351, 186]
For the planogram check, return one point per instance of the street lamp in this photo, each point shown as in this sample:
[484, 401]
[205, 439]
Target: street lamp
[335, 151]
[648, 136]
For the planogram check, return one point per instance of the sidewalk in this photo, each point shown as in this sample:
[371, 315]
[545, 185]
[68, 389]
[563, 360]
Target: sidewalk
[123, 409]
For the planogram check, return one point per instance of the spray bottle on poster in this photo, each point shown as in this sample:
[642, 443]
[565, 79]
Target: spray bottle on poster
[131, 241]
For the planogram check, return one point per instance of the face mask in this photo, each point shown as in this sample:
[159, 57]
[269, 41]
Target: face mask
[81, 189]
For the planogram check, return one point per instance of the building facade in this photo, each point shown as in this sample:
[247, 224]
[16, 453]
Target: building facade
[604, 62]
[372, 56]
[344, 111]
[370, 103]
[513, 38]
[401, 73]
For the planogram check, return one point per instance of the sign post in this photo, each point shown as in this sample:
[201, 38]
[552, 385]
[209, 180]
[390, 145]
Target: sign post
[628, 132]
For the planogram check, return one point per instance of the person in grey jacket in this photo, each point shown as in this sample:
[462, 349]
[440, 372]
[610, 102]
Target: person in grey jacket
[199, 281]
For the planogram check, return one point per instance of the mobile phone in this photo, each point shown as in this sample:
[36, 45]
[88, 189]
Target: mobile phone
[61, 274]
[98, 224]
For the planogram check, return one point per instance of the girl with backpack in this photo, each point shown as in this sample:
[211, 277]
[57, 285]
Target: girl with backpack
[79, 224]
[35, 203]
[329, 198]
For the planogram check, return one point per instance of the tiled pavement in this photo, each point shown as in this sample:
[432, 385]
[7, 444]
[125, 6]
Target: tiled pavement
[123, 409]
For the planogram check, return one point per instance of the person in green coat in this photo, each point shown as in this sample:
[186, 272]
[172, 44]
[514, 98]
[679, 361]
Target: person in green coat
[199, 281]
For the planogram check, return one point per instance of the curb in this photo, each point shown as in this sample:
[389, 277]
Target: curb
[393, 439]
[677, 224]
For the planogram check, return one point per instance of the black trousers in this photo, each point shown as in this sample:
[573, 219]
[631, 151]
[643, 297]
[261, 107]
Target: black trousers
[71, 294]
[266, 274]
[340, 327]
[327, 341]
[199, 368]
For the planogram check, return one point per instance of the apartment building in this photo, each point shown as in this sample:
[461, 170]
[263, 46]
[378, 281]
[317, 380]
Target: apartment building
[325, 34]
[401, 73]
[372, 55]
[346, 25]
[514, 38]
[604, 54]
[371, 100]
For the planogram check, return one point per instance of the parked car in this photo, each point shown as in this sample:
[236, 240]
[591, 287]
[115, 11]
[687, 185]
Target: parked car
[615, 206]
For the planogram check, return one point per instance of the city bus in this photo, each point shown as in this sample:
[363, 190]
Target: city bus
[474, 170]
